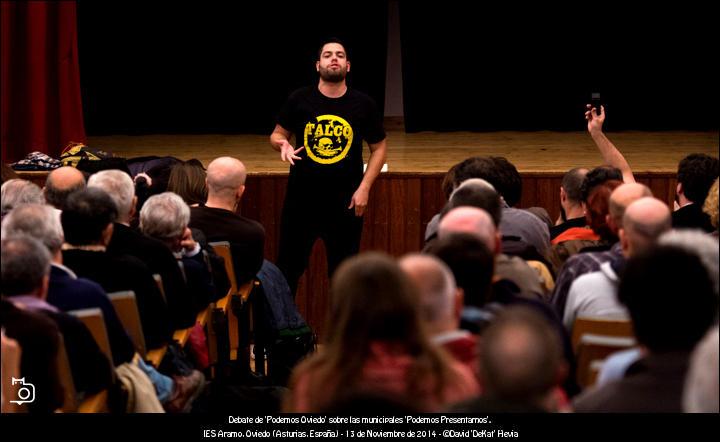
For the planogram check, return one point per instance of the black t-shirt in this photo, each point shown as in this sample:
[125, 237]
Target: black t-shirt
[332, 131]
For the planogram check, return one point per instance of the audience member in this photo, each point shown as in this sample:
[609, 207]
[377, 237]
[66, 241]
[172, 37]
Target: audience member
[87, 222]
[219, 221]
[25, 280]
[153, 253]
[711, 207]
[666, 324]
[521, 365]
[701, 393]
[60, 183]
[696, 175]
[10, 358]
[16, 192]
[188, 180]
[590, 260]
[441, 305]
[479, 223]
[516, 225]
[165, 217]
[375, 313]
[572, 212]
[66, 291]
[594, 294]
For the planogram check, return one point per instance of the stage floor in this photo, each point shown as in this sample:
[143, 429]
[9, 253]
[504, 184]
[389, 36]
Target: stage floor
[435, 152]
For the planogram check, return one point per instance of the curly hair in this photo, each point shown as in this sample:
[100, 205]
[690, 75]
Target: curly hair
[696, 173]
[596, 177]
[711, 204]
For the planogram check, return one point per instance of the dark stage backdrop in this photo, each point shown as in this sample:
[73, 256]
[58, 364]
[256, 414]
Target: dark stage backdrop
[520, 69]
[225, 67]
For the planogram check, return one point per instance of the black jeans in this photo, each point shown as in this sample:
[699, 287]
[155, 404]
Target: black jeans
[301, 225]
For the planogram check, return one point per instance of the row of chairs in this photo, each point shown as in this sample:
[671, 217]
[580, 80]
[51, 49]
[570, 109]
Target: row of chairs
[220, 319]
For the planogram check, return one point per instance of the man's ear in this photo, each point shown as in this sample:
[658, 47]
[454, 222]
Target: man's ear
[133, 207]
[348, 66]
[240, 191]
[317, 66]
[624, 243]
[563, 195]
[42, 291]
[679, 189]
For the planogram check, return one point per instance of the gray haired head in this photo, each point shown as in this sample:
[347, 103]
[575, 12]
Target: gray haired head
[18, 191]
[39, 221]
[164, 216]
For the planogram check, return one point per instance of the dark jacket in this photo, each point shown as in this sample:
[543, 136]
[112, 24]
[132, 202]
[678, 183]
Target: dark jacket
[691, 217]
[160, 260]
[115, 274]
[69, 293]
[653, 384]
[246, 237]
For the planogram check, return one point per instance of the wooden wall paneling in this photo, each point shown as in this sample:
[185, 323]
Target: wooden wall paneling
[413, 228]
[375, 233]
[432, 199]
[397, 235]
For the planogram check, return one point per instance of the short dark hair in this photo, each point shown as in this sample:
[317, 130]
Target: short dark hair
[498, 171]
[572, 183]
[86, 215]
[481, 197]
[470, 261]
[596, 177]
[333, 40]
[25, 261]
[697, 172]
[670, 298]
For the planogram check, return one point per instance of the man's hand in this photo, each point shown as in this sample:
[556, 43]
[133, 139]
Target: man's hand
[289, 153]
[187, 242]
[595, 121]
[359, 200]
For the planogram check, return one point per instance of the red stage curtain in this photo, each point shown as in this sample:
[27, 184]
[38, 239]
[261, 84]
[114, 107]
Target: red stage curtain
[41, 101]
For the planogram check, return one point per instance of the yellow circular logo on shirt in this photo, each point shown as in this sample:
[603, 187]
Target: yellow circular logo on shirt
[328, 139]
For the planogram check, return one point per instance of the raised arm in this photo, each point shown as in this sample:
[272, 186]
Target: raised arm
[609, 152]
[378, 153]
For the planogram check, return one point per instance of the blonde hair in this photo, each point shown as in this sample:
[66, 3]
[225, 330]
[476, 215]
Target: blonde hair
[711, 204]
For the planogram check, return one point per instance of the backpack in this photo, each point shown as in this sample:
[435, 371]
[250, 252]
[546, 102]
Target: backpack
[89, 160]
[283, 332]
[75, 152]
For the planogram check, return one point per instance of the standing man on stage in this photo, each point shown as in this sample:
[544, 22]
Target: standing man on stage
[327, 191]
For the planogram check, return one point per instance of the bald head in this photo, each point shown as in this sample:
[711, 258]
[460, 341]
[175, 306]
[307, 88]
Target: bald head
[470, 220]
[643, 223]
[225, 177]
[436, 286]
[60, 183]
[623, 196]
[521, 358]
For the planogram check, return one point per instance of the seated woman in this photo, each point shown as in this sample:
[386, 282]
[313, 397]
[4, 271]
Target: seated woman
[188, 180]
[377, 345]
